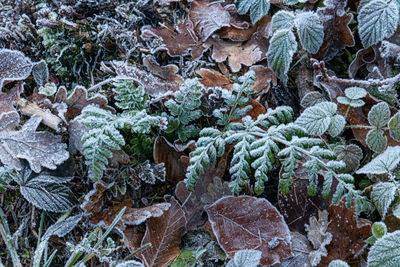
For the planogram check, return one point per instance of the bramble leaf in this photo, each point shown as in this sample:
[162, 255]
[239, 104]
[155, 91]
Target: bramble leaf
[310, 31]
[385, 251]
[282, 20]
[376, 141]
[384, 163]
[258, 8]
[382, 195]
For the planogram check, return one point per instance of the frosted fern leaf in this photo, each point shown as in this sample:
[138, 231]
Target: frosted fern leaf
[282, 20]
[128, 96]
[245, 257]
[13, 66]
[385, 251]
[377, 20]
[258, 8]
[384, 163]
[310, 31]
[280, 53]
[382, 195]
[62, 228]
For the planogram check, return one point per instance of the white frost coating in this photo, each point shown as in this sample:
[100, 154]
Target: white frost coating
[379, 115]
[382, 195]
[131, 263]
[245, 257]
[282, 20]
[310, 31]
[383, 163]
[62, 228]
[377, 20]
[385, 251]
[40, 73]
[376, 140]
[258, 8]
[338, 263]
[13, 66]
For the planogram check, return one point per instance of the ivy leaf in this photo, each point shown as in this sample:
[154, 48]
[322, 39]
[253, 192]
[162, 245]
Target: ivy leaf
[280, 53]
[377, 20]
[379, 115]
[394, 127]
[245, 257]
[376, 141]
[310, 31]
[258, 8]
[282, 20]
[383, 163]
[382, 195]
[385, 251]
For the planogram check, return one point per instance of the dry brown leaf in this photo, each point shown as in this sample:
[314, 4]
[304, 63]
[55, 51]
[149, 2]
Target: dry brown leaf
[264, 77]
[164, 233]
[177, 42]
[246, 222]
[349, 234]
[208, 18]
[254, 112]
[153, 85]
[94, 200]
[365, 61]
[9, 117]
[212, 78]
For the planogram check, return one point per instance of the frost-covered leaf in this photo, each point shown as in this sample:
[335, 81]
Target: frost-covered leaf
[337, 125]
[394, 127]
[318, 119]
[385, 251]
[40, 149]
[351, 155]
[258, 8]
[280, 53]
[311, 99]
[282, 20]
[63, 227]
[377, 20]
[40, 73]
[310, 31]
[208, 18]
[164, 233]
[130, 263]
[382, 195]
[396, 211]
[246, 222]
[379, 115]
[13, 66]
[48, 89]
[384, 163]
[338, 263]
[376, 141]
[379, 229]
[245, 257]
[355, 92]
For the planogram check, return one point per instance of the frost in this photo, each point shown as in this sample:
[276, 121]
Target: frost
[13, 66]
[282, 20]
[382, 195]
[338, 263]
[48, 89]
[377, 20]
[310, 31]
[131, 263]
[385, 251]
[245, 257]
[258, 8]
[280, 53]
[40, 73]
[353, 95]
[40, 149]
[62, 228]
[351, 155]
[379, 115]
[311, 99]
[376, 141]
[337, 125]
[394, 127]
[384, 163]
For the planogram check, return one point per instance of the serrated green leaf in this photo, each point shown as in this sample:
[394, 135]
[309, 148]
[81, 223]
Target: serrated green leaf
[382, 195]
[355, 92]
[280, 53]
[282, 20]
[379, 229]
[312, 98]
[377, 20]
[394, 127]
[384, 163]
[258, 8]
[351, 155]
[337, 125]
[379, 115]
[310, 31]
[317, 119]
[385, 251]
[376, 141]
[338, 263]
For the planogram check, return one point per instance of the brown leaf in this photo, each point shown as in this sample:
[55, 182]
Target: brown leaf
[298, 206]
[13, 66]
[174, 159]
[246, 222]
[177, 42]
[212, 78]
[164, 233]
[264, 77]
[348, 233]
[163, 81]
[336, 27]
[254, 112]
[208, 18]
[365, 61]
[94, 200]
[9, 116]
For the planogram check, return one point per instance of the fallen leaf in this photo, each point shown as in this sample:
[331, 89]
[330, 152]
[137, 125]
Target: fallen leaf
[365, 61]
[300, 248]
[264, 77]
[257, 109]
[348, 234]
[177, 42]
[208, 18]
[95, 199]
[164, 72]
[9, 116]
[212, 78]
[153, 85]
[14, 65]
[164, 233]
[246, 222]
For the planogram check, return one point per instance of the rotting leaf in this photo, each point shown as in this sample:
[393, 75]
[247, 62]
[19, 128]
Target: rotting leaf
[246, 222]
[208, 18]
[40, 149]
[14, 65]
[164, 233]
[348, 233]
[177, 42]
